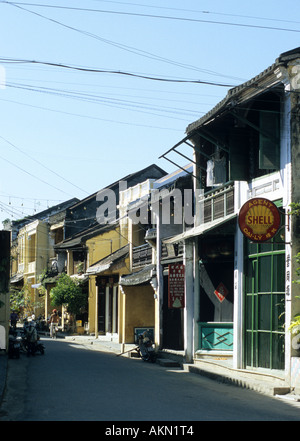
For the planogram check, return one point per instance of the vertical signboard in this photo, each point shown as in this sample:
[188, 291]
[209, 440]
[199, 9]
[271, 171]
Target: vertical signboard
[176, 298]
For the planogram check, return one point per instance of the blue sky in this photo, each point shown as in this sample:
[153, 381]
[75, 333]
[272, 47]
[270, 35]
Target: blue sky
[68, 133]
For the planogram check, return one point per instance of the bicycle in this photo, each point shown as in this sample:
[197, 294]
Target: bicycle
[53, 330]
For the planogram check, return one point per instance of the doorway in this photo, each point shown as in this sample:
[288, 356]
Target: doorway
[265, 305]
[107, 305]
[172, 323]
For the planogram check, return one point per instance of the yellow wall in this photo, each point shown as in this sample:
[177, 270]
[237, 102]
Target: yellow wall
[138, 309]
[33, 257]
[100, 247]
[103, 245]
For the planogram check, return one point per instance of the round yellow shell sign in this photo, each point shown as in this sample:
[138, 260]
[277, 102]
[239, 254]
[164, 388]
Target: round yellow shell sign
[259, 219]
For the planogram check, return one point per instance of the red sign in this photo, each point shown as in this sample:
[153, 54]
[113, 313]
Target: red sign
[221, 292]
[176, 285]
[259, 219]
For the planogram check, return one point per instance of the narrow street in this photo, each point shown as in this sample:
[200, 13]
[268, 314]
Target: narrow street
[82, 382]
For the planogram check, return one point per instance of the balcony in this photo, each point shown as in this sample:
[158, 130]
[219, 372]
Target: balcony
[31, 267]
[218, 203]
[141, 256]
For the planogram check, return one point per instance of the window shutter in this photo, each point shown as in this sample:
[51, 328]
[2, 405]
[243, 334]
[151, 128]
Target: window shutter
[238, 155]
[269, 148]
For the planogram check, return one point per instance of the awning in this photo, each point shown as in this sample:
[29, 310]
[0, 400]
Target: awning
[201, 229]
[80, 277]
[17, 278]
[69, 244]
[140, 277]
[96, 269]
[109, 261]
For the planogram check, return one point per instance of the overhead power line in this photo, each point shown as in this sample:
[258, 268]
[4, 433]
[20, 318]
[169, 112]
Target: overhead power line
[162, 17]
[33, 176]
[124, 47]
[115, 72]
[41, 164]
[199, 12]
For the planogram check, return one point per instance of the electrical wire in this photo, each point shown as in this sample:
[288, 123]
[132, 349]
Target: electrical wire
[164, 17]
[113, 121]
[33, 176]
[201, 12]
[110, 102]
[41, 164]
[115, 72]
[121, 45]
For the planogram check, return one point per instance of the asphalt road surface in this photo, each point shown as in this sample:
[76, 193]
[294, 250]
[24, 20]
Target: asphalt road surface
[81, 382]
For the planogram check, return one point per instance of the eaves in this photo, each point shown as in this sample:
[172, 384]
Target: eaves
[267, 79]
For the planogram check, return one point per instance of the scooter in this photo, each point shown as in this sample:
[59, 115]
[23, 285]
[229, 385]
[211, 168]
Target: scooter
[40, 347]
[146, 347]
[33, 348]
[13, 347]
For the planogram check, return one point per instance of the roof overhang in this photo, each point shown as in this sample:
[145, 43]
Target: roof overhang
[145, 275]
[108, 262]
[17, 278]
[200, 230]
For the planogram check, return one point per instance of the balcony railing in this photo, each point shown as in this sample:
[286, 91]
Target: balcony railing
[218, 203]
[215, 336]
[31, 267]
[141, 255]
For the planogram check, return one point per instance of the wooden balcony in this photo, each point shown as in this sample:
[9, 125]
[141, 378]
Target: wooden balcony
[218, 203]
[141, 255]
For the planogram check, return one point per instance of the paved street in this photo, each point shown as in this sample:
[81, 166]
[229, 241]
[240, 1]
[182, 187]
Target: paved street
[81, 382]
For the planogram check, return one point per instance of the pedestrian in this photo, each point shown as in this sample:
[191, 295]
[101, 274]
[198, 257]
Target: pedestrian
[13, 319]
[54, 319]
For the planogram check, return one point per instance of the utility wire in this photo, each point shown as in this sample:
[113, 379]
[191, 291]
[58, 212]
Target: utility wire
[33, 176]
[122, 46]
[164, 17]
[200, 12]
[38, 162]
[115, 72]
[113, 102]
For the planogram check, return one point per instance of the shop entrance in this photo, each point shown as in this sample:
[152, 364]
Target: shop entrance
[265, 305]
[172, 323]
[216, 268]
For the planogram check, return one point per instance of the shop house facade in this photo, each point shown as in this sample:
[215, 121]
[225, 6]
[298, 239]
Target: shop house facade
[247, 147]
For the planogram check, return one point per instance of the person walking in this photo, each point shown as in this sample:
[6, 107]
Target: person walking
[13, 319]
[54, 319]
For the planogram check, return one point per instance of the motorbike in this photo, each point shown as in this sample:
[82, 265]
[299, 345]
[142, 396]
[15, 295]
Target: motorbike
[31, 347]
[13, 346]
[146, 347]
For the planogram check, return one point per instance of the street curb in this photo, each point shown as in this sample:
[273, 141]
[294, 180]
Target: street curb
[239, 380]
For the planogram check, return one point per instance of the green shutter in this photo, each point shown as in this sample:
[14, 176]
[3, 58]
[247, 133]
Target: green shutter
[269, 148]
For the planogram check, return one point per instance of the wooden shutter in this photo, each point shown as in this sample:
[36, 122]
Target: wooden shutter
[238, 155]
[269, 147]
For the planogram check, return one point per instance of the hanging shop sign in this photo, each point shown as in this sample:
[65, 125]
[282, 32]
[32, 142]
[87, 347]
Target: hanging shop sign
[176, 285]
[259, 219]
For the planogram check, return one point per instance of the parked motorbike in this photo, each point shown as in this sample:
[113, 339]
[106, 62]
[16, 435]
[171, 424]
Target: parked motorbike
[31, 346]
[13, 346]
[146, 347]
[41, 324]
[40, 347]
